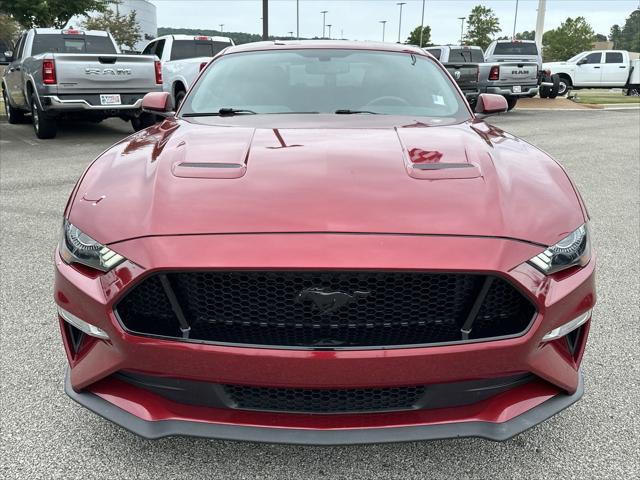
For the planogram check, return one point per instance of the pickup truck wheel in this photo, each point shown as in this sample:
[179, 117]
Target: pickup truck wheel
[143, 121]
[180, 97]
[14, 116]
[511, 102]
[563, 86]
[553, 93]
[544, 91]
[44, 126]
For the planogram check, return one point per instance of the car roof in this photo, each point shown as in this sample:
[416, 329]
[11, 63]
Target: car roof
[192, 37]
[515, 41]
[327, 44]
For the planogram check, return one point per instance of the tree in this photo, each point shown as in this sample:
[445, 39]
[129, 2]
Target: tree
[482, 24]
[630, 33]
[571, 37]
[124, 28]
[49, 13]
[615, 36]
[414, 36]
[8, 30]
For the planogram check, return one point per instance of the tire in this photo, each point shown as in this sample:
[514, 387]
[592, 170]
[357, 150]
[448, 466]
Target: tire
[633, 91]
[14, 115]
[556, 86]
[544, 91]
[44, 126]
[564, 84]
[511, 102]
[180, 94]
[143, 121]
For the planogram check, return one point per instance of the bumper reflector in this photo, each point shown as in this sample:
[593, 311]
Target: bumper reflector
[81, 325]
[568, 327]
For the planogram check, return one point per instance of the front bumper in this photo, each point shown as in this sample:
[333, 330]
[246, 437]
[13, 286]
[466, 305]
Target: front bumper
[92, 378]
[527, 91]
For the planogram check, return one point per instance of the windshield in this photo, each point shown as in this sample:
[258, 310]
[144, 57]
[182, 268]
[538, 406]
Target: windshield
[325, 81]
[516, 48]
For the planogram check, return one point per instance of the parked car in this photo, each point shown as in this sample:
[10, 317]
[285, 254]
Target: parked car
[512, 80]
[593, 69]
[463, 67]
[524, 51]
[182, 57]
[79, 74]
[325, 245]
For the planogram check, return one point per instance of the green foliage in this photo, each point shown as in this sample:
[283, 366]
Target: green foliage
[124, 28]
[49, 13]
[571, 37]
[627, 38]
[9, 30]
[414, 36]
[482, 24]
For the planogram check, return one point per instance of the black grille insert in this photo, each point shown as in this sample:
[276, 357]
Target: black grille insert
[325, 309]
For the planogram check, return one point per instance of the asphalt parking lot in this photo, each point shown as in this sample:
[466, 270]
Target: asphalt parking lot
[46, 435]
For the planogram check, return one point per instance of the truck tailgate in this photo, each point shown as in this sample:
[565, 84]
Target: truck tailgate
[518, 73]
[109, 73]
[465, 74]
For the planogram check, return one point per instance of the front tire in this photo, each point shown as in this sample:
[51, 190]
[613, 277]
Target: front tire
[563, 86]
[44, 126]
[142, 121]
[14, 115]
[511, 103]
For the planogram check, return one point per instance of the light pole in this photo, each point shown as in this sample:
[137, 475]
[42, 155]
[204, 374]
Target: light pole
[400, 21]
[384, 24]
[324, 16]
[298, 19]
[290, 34]
[221, 27]
[422, 24]
[329, 31]
[461, 28]
[515, 21]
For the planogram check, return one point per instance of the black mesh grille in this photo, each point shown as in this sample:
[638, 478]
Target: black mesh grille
[325, 309]
[324, 401]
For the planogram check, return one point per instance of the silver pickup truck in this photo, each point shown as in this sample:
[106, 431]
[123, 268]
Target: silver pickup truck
[512, 80]
[78, 74]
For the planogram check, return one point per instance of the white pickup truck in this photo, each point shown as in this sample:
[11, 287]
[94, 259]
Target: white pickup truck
[597, 69]
[182, 57]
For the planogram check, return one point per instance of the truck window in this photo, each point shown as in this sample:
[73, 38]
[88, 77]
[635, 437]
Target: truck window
[159, 48]
[614, 57]
[594, 57]
[436, 52]
[465, 55]
[149, 49]
[515, 48]
[195, 48]
[18, 53]
[59, 43]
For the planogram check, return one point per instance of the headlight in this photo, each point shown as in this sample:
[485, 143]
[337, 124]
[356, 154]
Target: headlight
[572, 250]
[78, 247]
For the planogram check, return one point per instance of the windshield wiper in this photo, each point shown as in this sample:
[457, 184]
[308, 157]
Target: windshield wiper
[353, 112]
[225, 111]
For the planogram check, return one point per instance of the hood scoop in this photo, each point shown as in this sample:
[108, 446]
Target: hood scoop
[436, 158]
[228, 158]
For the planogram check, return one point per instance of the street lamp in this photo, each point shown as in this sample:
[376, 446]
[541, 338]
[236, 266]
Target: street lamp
[515, 21]
[329, 31]
[290, 34]
[384, 24]
[221, 27]
[400, 4]
[461, 28]
[324, 15]
[422, 24]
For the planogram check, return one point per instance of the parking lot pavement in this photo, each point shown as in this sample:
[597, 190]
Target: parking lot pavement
[45, 435]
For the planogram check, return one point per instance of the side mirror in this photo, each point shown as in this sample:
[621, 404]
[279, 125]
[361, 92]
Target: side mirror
[490, 103]
[582, 61]
[8, 55]
[159, 103]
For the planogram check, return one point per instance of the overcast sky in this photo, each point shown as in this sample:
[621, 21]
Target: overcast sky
[359, 19]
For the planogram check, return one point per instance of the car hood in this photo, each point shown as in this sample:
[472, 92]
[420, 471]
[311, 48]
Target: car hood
[206, 177]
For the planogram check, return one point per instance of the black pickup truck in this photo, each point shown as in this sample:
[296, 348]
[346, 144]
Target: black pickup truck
[466, 76]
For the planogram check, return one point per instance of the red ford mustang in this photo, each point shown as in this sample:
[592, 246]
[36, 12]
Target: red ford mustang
[324, 245]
